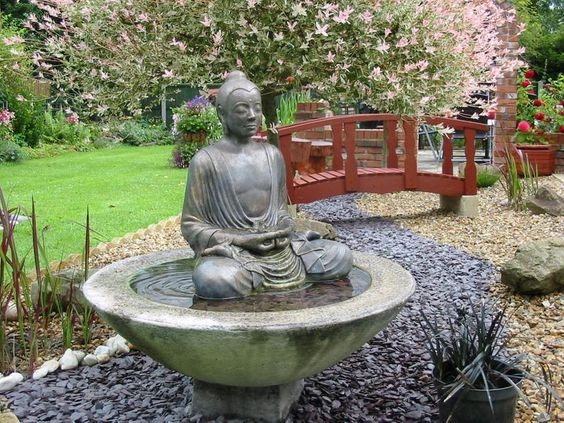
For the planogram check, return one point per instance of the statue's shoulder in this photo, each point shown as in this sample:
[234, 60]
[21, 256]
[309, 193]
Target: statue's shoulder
[272, 150]
[203, 157]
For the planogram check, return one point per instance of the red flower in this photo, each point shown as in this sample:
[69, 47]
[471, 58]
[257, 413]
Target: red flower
[561, 112]
[525, 83]
[530, 73]
[524, 126]
[539, 116]
[537, 103]
[290, 79]
[491, 114]
[548, 87]
[562, 129]
[562, 102]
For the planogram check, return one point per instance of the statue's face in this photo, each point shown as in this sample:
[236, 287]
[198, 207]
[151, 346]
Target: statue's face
[243, 113]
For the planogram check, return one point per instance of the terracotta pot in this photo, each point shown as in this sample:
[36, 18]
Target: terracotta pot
[543, 157]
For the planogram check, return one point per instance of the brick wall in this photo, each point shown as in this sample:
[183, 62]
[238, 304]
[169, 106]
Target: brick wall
[558, 141]
[369, 150]
[506, 91]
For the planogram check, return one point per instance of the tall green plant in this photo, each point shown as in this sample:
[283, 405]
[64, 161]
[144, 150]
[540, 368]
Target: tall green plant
[288, 105]
[517, 189]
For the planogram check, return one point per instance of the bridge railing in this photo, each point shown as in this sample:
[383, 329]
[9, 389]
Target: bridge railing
[343, 128]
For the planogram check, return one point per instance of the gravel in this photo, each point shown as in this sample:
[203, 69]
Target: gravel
[388, 380]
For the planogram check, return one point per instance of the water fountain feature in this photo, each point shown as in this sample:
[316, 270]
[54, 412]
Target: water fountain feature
[256, 307]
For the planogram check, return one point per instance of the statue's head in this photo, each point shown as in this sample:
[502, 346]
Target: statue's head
[239, 106]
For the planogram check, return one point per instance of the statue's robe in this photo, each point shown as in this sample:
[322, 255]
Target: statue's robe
[211, 204]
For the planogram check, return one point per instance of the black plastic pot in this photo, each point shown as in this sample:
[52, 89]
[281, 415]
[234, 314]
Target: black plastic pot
[472, 405]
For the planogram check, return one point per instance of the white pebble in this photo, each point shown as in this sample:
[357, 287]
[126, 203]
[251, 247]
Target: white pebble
[103, 358]
[117, 345]
[89, 360]
[39, 373]
[51, 365]
[68, 360]
[8, 382]
[102, 349]
[79, 355]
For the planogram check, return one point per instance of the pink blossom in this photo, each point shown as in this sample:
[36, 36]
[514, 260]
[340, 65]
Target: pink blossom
[291, 26]
[73, 118]
[366, 16]
[403, 42]
[344, 15]
[387, 32]
[524, 126]
[6, 117]
[16, 39]
[142, 17]
[321, 30]
[376, 73]
[16, 66]
[20, 97]
[181, 46]
[330, 57]
[169, 74]
[390, 95]
[383, 47]
[206, 21]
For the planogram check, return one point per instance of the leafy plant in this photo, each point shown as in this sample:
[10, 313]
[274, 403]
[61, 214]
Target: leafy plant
[517, 189]
[538, 114]
[184, 152]
[139, 132]
[467, 352]
[288, 105]
[487, 177]
[67, 129]
[10, 152]
[197, 115]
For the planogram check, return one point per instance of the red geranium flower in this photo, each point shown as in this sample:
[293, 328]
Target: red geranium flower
[525, 83]
[530, 73]
[537, 103]
[491, 114]
[539, 116]
[290, 79]
[524, 126]
[562, 129]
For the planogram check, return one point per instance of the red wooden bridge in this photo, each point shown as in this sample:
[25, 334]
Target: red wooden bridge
[346, 177]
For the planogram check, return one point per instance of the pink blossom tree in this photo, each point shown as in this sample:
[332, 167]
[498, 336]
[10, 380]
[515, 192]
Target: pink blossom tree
[409, 57]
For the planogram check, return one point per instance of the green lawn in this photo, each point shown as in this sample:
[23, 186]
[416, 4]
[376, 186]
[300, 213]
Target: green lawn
[125, 188]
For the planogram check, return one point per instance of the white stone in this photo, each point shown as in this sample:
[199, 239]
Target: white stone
[79, 355]
[68, 360]
[8, 382]
[111, 344]
[103, 358]
[89, 360]
[102, 349]
[51, 365]
[39, 373]
[117, 345]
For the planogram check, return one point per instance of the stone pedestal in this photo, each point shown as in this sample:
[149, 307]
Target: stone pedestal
[267, 403]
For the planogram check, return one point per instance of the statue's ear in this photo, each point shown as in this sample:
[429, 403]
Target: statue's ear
[220, 112]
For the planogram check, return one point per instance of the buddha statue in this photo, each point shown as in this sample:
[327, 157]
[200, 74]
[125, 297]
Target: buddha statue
[235, 215]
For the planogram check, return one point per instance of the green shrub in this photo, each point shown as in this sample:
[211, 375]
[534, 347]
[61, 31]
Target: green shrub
[10, 152]
[184, 152]
[52, 150]
[487, 178]
[67, 130]
[17, 84]
[139, 132]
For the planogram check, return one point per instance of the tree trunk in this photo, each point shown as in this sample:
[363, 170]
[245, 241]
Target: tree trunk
[269, 112]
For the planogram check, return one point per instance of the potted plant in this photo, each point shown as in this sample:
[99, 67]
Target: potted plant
[477, 380]
[540, 118]
[195, 123]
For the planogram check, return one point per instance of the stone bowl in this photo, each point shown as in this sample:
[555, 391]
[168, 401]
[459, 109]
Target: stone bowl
[243, 348]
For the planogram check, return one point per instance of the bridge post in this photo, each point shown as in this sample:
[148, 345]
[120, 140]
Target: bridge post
[337, 132]
[285, 145]
[351, 175]
[470, 170]
[410, 130]
[391, 141]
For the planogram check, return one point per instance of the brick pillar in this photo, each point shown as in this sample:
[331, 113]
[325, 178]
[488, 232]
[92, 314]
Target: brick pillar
[506, 91]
